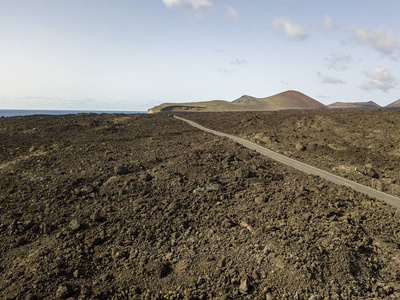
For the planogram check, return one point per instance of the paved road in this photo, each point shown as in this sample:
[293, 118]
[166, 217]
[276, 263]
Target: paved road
[389, 199]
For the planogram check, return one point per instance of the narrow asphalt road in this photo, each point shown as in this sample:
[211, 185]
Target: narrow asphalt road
[389, 199]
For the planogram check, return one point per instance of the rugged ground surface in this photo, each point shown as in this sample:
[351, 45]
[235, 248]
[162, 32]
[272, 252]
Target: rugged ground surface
[362, 145]
[146, 207]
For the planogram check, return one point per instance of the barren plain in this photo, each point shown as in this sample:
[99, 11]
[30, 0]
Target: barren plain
[147, 207]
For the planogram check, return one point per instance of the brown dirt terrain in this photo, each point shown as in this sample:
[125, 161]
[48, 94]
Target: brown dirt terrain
[362, 145]
[146, 207]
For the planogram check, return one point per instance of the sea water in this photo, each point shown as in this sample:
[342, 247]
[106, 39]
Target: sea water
[21, 112]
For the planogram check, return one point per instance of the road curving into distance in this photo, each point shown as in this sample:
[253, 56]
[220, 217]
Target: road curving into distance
[389, 199]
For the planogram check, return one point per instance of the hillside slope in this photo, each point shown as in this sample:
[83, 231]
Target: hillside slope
[283, 101]
[395, 104]
[355, 105]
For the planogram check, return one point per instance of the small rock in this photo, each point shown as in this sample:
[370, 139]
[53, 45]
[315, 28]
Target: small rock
[388, 289]
[63, 291]
[269, 297]
[94, 241]
[369, 171]
[122, 192]
[222, 263]
[173, 207]
[74, 225]
[146, 177]
[159, 269]
[256, 275]
[30, 297]
[227, 223]
[96, 217]
[85, 291]
[300, 147]
[244, 286]
[120, 254]
[315, 297]
[32, 149]
[212, 187]
[121, 170]
[28, 224]
[20, 241]
[379, 185]
[87, 189]
[259, 200]
[246, 225]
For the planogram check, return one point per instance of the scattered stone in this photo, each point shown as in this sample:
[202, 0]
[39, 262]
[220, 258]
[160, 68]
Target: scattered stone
[269, 297]
[259, 199]
[87, 189]
[212, 187]
[28, 224]
[246, 225]
[369, 171]
[308, 236]
[121, 170]
[388, 290]
[244, 287]
[159, 269]
[63, 291]
[379, 185]
[74, 225]
[146, 177]
[315, 297]
[37, 178]
[96, 217]
[300, 147]
[30, 296]
[91, 242]
[222, 263]
[227, 223]
[20, 241]
[173, 207]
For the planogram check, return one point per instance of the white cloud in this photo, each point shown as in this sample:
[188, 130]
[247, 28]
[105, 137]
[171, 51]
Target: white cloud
[291, 30]
[225, 71]
[379, 79]
[339, 60]
[329, 23]
[195, 4]
[231, 13]
[379, 39]
[238, 61]
[197, 9]
[330, 79]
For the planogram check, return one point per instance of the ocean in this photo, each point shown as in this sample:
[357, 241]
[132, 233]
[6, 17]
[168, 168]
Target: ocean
[21, 112]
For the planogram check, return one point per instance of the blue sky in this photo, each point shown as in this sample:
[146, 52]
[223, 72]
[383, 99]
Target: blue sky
[135, 54]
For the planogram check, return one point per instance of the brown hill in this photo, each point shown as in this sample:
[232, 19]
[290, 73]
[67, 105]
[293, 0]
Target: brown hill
[395, 104]
[283, 101]
[358, 105]
[291, 100]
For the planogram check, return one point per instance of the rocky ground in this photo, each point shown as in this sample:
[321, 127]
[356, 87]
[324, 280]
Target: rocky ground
[146, 207]
[362, 145]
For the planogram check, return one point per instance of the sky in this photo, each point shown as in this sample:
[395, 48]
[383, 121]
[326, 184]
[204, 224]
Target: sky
[136, 54]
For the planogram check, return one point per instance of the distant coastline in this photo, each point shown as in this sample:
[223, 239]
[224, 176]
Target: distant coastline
[22, 112]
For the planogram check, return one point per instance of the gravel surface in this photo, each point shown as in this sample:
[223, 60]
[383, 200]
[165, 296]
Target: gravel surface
[142, 207]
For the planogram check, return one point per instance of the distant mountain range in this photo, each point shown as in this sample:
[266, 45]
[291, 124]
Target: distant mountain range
[360, 105]
[289, 100]
[395, 104]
